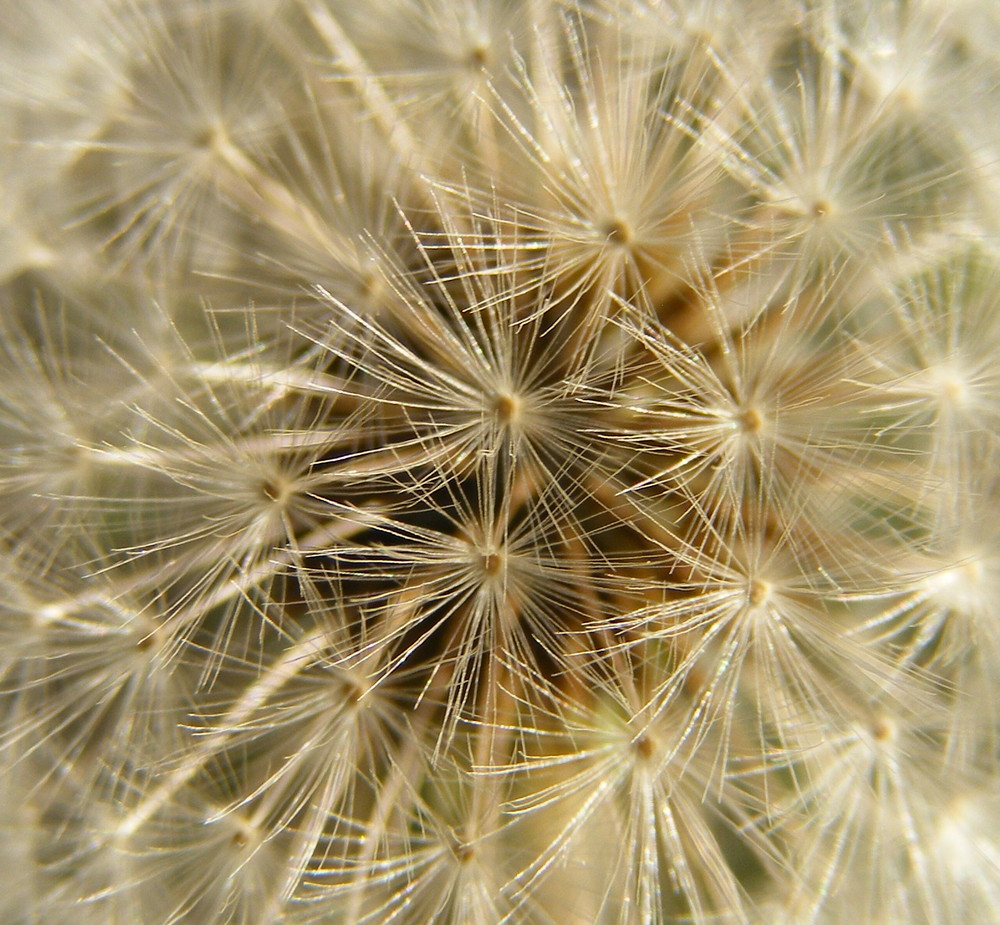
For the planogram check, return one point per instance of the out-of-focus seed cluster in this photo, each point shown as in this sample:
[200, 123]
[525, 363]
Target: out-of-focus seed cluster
[499, 461]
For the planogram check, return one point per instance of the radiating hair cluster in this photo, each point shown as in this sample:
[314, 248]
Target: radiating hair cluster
[500, 462]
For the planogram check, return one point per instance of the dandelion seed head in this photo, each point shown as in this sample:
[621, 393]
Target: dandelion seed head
[441, 440]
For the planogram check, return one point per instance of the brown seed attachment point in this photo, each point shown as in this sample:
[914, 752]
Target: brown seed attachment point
[882, 730]
[204, 138]
[643, 746]
[211, 138]
[371, 284]
[478, 57]
[507, 408]
[758, 592]
[617, 231]
[751, 421]
[821, 208]
[492, 563]
[276, 489]
[352, 692]
[464, 853]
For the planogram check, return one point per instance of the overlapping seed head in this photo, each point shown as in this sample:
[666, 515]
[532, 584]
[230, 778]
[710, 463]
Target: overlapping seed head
[499, 461]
